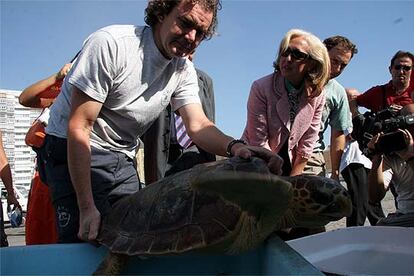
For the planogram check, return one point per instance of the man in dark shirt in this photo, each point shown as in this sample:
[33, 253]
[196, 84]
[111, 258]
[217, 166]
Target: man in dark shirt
[397, 91]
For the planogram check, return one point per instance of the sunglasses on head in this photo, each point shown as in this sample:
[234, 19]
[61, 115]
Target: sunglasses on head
[295, 54]
[404, 67]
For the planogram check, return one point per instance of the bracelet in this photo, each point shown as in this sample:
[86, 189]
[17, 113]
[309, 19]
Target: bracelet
[409, 159]
[231, 144]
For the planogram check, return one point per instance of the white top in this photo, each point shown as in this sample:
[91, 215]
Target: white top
[121, 67]
[352, 154]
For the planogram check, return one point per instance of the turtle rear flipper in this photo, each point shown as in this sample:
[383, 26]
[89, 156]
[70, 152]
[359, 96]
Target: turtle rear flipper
[254, 192]
[112, 264]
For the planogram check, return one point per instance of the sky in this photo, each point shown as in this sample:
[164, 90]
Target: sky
[38, 37]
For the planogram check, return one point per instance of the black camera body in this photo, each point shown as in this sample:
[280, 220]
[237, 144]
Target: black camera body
[367, 125]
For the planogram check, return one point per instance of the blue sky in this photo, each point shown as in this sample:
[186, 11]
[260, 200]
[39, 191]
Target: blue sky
[38, 37]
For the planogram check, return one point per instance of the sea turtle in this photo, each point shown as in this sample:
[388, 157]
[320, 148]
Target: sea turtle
[228, 206]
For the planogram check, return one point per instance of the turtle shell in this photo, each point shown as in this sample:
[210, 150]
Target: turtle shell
[172, 216]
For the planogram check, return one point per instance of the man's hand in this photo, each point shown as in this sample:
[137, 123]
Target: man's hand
[409, 150]
[89, 223]
[63, 71]
[335, 176]
[395, 108]
[373, 141]
[274, 161]
[12, 200]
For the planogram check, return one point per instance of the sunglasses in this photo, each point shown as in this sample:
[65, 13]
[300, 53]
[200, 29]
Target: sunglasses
[295, 54]
[406, 68]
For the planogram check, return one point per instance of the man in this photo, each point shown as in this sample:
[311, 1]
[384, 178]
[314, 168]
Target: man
[166, 155]
[397, 92]
[6, 178]
[122, 79]
[397, 167]
[336, 112]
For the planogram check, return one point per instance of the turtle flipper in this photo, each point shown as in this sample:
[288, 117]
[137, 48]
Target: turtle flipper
[253, 192]
[112, 264]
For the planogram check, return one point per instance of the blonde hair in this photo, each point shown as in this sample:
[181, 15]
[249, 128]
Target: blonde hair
[320, 68]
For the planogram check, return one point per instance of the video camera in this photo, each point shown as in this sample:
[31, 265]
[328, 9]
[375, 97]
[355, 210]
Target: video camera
[367, 125]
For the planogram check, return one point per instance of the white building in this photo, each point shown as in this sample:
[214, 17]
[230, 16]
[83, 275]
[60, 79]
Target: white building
[15, 120]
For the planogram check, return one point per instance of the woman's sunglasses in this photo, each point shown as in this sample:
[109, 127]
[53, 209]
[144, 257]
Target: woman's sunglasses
[295, 54]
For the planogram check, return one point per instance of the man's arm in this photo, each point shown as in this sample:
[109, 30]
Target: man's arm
[32, 95]
[376, 187]
[338, 141]
[298, 166]
[84, 111]
[207, 136]
[408, 153]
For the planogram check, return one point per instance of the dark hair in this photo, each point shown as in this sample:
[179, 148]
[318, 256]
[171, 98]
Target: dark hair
[342, 42]
[158, 9]
[401, 54]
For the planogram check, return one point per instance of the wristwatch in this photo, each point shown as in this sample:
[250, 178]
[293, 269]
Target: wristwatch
[231, 144]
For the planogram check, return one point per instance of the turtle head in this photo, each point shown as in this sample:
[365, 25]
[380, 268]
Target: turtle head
[317, 201]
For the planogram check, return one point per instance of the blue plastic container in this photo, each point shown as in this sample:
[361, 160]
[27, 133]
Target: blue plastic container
[273, 258]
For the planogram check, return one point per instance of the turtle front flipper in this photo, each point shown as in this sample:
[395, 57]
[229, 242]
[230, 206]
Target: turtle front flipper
[253, 192]
[112, 264]
[263, 198]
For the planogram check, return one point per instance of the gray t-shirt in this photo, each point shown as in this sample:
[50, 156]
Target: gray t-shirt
[402, 176]
[121, 67]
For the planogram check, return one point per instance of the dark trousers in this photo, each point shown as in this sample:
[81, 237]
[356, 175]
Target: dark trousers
[356, 178]
[3, 236]
[113, 175]
[398, 219]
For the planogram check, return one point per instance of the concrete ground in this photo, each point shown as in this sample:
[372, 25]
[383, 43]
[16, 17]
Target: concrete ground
[15, 236]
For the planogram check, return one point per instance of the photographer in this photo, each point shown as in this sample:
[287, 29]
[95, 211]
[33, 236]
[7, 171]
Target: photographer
[398, 167]
[397, 92]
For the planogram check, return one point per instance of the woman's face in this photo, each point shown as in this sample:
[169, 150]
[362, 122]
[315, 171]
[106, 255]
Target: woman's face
[294, 61]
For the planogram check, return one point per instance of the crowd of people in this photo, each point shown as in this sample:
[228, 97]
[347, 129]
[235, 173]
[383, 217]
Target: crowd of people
[132, 84]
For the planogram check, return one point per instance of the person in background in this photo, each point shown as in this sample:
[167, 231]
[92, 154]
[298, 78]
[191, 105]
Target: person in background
[336, 112]
[43, 93]
[122, 80]
[6, 178]
[412, 83]
[167, 156]
[398, 167]
[354, 168]
[393, 95]
[397, 92]
[40, 218]
[284, 108]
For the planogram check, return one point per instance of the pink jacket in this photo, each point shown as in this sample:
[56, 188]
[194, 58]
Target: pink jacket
[268, 124]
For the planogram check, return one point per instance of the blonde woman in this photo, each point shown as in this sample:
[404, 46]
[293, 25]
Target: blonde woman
[284, 108]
